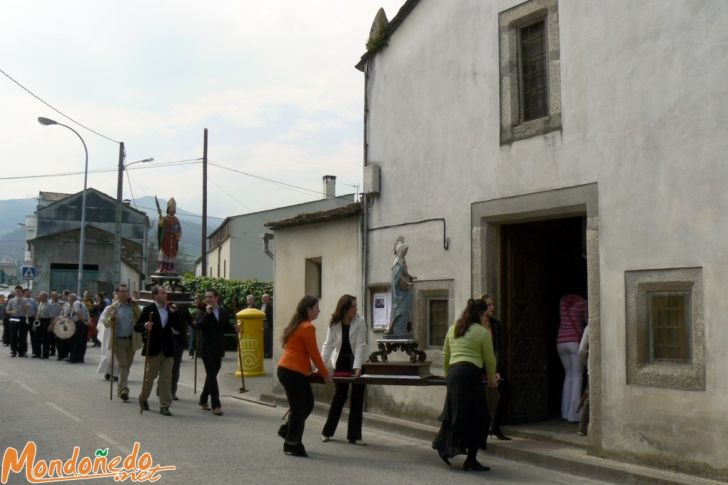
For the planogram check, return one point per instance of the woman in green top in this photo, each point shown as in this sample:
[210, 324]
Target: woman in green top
[468, 348]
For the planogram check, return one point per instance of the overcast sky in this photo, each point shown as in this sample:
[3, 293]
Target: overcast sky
[273, 81]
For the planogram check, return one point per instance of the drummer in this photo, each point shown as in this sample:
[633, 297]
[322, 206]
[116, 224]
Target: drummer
[63, 346]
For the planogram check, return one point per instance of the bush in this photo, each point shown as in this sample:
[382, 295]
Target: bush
[231, 291]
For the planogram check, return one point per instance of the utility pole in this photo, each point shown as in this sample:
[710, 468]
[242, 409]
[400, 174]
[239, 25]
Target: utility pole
[204, 205]
[117, 232]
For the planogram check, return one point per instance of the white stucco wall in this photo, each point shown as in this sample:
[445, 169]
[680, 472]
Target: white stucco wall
[337, 243]
[644, 103]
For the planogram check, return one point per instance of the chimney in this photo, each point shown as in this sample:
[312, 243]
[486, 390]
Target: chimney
[329, 186]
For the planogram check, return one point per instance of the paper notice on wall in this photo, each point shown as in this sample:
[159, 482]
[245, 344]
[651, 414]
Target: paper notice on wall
[381, 309]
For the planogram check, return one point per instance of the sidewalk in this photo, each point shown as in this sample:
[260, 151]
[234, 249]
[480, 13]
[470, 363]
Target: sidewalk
[539, 449]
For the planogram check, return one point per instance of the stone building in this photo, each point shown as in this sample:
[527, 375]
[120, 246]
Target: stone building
[530, 149]
[54, 242]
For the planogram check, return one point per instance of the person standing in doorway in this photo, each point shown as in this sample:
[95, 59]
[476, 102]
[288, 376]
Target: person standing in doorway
[213, 324]
[267, 308]
[294, 367]
[345, 347]
[573, 311]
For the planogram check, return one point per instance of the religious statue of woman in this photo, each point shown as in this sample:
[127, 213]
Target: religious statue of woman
[400, 325]
[169, 233]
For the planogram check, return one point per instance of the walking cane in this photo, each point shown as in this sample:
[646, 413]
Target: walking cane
[197, 352]
[240, 361]
[146, 358]
[113, 346]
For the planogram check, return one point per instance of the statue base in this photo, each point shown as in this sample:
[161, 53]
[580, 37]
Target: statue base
[417, 370]
[388, 345]
[175, 291]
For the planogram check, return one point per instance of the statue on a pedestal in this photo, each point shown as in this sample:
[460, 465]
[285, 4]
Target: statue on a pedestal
[169, 233]
[400, 325]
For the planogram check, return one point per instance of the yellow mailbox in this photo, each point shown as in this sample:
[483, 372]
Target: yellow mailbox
[251, 342]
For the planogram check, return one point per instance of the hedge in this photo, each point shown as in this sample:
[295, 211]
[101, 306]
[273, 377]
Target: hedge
[230, 290]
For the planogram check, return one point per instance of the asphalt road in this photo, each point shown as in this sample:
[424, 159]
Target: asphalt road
[59, 406]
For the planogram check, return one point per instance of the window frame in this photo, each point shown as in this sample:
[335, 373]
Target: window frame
[428, 300]
[641, 368]
[511, 21]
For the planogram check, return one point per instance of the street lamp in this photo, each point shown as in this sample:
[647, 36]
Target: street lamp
[48, 122]
[117, 235]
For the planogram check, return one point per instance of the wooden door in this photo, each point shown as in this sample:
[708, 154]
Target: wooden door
[525, 305]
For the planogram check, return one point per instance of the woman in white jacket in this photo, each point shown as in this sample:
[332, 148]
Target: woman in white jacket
[344, 349]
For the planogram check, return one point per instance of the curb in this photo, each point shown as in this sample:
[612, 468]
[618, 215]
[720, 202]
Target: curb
[547, 454]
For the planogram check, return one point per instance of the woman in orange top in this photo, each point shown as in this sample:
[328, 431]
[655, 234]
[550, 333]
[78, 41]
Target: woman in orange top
[299, 349]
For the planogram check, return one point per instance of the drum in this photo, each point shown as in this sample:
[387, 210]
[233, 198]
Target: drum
[63, 327]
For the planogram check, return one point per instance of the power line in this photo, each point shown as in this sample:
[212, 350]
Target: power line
[104, 170]
[228, 194]
[128, 179]
[56, 109]
[279, 182]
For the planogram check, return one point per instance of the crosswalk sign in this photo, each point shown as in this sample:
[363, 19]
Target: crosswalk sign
[28, 272]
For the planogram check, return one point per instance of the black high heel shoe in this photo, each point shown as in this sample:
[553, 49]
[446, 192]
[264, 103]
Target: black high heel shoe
[475, 466]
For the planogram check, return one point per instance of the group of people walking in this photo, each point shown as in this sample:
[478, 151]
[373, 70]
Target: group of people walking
[470, 360]
[24, 315]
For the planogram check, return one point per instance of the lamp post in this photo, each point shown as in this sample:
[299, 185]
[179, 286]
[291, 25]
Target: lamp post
[48, 122]
[119, 195]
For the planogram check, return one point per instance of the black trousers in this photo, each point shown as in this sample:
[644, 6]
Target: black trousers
[211, 389]
[179, 349]
[19, 336]
[356, 408]
[267, 340]
[78, 345]
[44, 337]
[300, 402]
[6, 331]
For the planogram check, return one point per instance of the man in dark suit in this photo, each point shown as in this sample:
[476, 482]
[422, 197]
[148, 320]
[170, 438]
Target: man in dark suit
[267, 308]
[213, 324]
[156, 324]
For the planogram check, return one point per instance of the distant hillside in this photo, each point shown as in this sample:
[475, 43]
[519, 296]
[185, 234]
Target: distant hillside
[13, 212]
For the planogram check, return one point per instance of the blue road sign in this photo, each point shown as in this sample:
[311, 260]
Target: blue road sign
[28, 272]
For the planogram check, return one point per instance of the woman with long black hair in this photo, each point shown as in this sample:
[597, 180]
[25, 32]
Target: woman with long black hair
[468, 348]
[299, 350]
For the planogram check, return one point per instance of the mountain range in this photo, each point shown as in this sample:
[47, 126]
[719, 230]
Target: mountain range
[13, 212]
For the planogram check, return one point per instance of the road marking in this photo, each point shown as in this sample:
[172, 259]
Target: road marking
[180, 383]
[63, 411]
[25, 387]
[107, 439]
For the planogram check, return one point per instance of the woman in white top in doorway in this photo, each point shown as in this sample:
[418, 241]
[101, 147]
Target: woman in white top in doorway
[344, 348]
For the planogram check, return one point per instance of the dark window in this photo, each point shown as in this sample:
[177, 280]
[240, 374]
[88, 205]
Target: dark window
[437, 321]
[534, 85]
[669, 318]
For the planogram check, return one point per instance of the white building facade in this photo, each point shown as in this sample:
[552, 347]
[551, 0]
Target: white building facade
[533, 149]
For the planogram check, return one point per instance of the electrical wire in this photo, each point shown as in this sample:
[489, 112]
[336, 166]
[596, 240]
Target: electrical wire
[104, 170]
[128, 179]
[56, 109]
[279, 182]
[229, 195]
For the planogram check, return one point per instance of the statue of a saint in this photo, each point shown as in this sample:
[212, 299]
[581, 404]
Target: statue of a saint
[400, 325]
[169, 233]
